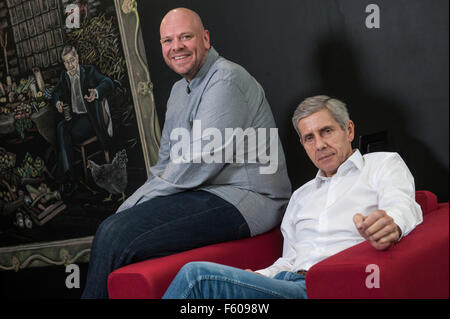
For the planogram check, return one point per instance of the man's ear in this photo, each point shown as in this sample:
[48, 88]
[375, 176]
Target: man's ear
[351, 130]
[206, 40]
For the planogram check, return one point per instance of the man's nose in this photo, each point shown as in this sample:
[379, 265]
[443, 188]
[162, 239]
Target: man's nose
[320, 143]
[177, 45]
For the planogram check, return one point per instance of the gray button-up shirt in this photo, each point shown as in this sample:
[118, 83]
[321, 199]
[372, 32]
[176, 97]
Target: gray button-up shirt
[248, 169]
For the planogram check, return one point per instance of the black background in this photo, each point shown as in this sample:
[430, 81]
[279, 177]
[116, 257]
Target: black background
[394, 78]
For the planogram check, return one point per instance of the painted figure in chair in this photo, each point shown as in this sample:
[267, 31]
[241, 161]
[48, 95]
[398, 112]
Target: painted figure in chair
[78, 96]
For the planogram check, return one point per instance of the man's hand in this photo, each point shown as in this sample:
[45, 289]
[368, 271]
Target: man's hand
[378, 228]
[91, 96]
[250, 270]
[59, 106]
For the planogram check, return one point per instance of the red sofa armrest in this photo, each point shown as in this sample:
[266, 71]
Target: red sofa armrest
[149, 279]
[416, 267]
[427, 201]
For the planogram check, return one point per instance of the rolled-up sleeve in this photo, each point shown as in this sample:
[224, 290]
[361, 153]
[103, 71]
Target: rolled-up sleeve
[397, 193]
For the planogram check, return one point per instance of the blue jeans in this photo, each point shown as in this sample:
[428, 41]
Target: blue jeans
[69, 134]
[205, 280]
[159, 227]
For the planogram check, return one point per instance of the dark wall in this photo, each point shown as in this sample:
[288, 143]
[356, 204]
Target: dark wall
[394, 78]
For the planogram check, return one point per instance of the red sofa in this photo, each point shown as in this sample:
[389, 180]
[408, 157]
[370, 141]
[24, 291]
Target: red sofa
[416, 267]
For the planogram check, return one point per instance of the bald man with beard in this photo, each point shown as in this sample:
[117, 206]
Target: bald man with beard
[188, 202]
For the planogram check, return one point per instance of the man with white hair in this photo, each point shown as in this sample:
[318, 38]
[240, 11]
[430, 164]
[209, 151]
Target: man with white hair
[352, 198]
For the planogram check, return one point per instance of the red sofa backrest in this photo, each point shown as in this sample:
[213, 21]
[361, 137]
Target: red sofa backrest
[427, 201]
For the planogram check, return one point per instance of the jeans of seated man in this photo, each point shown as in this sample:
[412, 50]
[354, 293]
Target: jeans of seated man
[69, 134]
[205, 280]
[159, 227]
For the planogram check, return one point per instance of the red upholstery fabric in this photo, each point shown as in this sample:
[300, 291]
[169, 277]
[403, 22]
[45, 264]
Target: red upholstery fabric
[150, 278]
[417, 267]
[427, 201]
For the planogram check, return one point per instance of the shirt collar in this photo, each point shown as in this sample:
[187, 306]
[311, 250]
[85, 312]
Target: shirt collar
[212, 57]
[354, 161]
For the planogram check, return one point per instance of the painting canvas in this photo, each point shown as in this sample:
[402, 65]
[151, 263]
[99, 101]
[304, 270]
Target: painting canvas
[41, 222]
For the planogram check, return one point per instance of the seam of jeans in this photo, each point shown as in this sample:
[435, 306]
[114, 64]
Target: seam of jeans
[225, 279]
[127, 249]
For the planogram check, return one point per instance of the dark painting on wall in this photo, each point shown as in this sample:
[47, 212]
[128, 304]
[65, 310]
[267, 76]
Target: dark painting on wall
[66, 165]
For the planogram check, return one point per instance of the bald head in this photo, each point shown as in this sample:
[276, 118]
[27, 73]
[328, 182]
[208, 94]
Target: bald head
[184, 42]
[184, 14]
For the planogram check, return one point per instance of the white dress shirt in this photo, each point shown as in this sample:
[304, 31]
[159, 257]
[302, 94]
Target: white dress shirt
[78, 106]
[318, 222]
